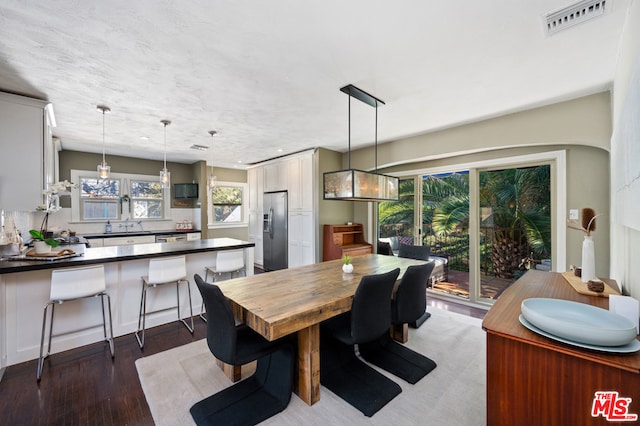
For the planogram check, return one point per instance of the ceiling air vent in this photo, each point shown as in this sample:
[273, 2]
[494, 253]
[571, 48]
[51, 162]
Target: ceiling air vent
[575, 14]
[199, 147]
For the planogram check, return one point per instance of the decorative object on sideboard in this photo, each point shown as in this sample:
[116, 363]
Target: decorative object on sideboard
[211, 182]
[165, 175]
[347, 266]
[103, 168]
[587, 226]
[358, 185]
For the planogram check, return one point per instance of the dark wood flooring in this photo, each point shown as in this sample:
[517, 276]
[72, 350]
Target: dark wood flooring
[85, 387]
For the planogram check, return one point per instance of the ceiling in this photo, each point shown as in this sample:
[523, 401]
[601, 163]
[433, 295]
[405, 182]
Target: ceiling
[266, 74]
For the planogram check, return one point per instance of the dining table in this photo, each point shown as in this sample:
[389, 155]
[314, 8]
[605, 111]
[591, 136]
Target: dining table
[296, 300]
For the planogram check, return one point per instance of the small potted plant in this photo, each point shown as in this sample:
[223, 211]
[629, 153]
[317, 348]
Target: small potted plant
[41, 244]
[347, 266]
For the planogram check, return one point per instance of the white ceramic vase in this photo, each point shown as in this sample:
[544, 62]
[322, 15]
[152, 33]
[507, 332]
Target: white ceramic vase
[41, 247]
[588, 259]
[347, 268]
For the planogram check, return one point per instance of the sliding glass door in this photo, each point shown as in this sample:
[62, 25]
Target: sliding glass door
[477, 255]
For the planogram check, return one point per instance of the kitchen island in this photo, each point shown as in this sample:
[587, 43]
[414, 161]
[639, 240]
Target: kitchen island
[25, 286]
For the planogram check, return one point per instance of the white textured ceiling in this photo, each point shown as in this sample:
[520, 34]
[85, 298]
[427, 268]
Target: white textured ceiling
[266, 74]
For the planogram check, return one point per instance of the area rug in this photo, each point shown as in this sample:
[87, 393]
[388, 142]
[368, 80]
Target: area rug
[453, 393]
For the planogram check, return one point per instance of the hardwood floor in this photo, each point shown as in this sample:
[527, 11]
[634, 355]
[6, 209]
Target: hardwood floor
[84, 386]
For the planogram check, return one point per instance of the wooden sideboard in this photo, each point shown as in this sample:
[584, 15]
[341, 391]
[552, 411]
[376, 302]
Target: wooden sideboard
[344, 239]
[532, 379]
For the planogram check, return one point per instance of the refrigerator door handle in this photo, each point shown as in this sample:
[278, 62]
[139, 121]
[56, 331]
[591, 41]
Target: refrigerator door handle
[271, 222]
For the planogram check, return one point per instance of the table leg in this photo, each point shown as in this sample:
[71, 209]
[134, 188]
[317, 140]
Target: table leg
[400, 332]
[308, 388]
[233, 372]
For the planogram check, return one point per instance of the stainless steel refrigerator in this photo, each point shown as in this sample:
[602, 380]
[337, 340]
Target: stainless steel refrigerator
[275, 231]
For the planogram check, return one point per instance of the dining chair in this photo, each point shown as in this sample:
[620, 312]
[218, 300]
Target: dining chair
[162, 271]
[226, 262]
[408, 304]
[342, 371]
[418, 253]
[256, 398]
[73, 284]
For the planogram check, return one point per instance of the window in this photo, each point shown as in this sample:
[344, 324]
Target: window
[227, 206]
[147, 198]
[122, 196]
[99, 198]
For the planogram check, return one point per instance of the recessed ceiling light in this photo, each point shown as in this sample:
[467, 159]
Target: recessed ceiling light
[144, 138]
[199, 147]
[280, 150]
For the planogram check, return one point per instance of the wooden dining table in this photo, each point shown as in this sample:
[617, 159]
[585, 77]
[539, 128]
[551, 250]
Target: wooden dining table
[297, 300]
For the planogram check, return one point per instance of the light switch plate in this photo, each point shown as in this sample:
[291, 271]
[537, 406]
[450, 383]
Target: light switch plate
[573, 214]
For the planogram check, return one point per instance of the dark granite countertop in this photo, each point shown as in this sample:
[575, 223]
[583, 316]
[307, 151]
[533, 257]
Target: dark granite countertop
[121, 253]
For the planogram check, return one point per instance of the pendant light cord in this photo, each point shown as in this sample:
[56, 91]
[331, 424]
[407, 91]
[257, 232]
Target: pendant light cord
[165, 145]
[376, 143]
[349, 121]
[103, 147]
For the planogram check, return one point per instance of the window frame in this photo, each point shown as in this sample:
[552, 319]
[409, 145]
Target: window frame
[244, 187]
[124, 179]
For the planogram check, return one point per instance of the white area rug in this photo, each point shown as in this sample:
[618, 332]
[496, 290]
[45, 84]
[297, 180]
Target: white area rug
[454, 393]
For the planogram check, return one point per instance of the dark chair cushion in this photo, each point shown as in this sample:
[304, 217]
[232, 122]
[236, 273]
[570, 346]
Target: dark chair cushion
[414, 252]
[410, 300]
[370, 315]
[385, 248]
[235, 345]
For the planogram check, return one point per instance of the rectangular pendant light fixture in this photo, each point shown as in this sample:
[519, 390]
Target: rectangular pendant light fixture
[358, 185]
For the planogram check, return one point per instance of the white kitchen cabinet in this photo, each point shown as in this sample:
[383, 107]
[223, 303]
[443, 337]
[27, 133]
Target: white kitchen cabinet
[301, 238]
[275, 176]
[125, 241]
[300, 182]
[296, 175]
[194, 236]
[24, 126]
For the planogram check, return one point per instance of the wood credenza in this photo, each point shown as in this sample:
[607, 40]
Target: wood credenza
[534, 380]
[344, 239]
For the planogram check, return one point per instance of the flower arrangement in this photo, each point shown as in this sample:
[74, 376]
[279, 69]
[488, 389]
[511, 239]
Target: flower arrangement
[52, 195]
[39, 236]
[588, 224]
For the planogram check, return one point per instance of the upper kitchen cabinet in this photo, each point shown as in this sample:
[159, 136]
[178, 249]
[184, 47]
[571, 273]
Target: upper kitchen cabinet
[27, 163]
[275, 176]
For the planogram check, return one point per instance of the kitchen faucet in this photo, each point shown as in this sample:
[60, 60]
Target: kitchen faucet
[126, 225]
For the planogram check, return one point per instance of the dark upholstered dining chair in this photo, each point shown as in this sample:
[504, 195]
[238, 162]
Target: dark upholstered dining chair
[407, 305]
[259, 397]
[418, 253]
[342, 371]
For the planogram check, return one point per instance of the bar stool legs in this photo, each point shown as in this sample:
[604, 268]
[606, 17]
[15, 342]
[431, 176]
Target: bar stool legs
[108, 339]
[143, 310]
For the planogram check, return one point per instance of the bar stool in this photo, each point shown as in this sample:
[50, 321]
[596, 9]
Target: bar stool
[227, 262]
[166, 270]
[72, 284]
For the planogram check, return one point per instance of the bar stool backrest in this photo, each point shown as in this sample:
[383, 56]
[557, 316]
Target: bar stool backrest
[75, 283]
[167, 270]
[229, 261]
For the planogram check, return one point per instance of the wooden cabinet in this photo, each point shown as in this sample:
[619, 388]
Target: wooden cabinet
[532, 379]
[344, 239]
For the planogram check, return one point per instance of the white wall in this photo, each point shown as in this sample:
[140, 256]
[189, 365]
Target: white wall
[625, 241]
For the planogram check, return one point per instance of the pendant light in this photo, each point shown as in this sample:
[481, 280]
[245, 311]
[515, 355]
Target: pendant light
[358, 185]
[211, 182]
[103, 168]
[165, 175]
